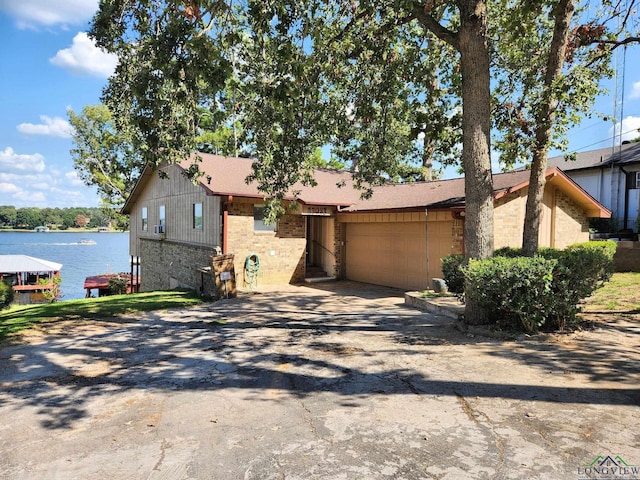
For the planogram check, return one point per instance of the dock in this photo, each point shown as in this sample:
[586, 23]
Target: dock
[101, 283]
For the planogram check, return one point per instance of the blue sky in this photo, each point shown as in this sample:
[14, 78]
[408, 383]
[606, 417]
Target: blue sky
[49, 65]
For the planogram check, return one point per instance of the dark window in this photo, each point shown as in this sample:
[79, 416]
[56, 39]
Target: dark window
[258, 220]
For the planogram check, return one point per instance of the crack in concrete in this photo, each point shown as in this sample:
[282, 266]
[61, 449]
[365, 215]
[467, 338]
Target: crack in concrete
[308, 417]
[473, 415]
[163, 452]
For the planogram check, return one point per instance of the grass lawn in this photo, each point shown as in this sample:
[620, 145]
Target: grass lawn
[620, 295]
[21, 317]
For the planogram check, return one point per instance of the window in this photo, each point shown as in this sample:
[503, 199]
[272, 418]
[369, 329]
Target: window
[145, 219]
[197, 216]
[258, 220]
[161, 216]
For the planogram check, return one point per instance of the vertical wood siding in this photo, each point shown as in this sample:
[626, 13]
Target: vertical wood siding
[178, 195]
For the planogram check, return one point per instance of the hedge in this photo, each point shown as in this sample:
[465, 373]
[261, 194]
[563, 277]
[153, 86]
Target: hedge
[532, 293]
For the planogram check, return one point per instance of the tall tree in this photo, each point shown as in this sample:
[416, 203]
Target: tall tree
[352, 74]
[551, 58]
[105, 156]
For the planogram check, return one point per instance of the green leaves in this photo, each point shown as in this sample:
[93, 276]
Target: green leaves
[104, 155]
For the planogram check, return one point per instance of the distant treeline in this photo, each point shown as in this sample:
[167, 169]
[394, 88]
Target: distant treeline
[29, 218]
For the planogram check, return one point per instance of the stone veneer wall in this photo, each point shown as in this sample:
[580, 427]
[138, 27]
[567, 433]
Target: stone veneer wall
[572, 226]
[282, 253]
[167, 265]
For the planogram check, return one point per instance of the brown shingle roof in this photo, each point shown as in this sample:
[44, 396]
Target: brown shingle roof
[441, 193]
[226, 176]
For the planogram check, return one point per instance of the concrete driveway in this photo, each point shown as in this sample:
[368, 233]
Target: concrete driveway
[340, 381]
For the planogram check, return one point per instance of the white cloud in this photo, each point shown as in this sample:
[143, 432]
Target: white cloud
[55, 127]
[36, 13]
[85, 58]
[635, 90]
[12, 161]
[73, 178]
[630, 126]
[49, 188]
[8, 188]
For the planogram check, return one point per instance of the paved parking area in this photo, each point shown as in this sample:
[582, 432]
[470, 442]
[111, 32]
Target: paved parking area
[337, 381]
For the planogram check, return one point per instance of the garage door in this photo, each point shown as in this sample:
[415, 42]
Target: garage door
[393, 254]
[390, 254]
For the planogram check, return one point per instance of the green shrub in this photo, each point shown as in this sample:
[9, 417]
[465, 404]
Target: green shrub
[513, 290]
[510, 252]
[452, 273]
[118, 284]
[582, 268]
[541, 292]
[51, 289]
[6, 294]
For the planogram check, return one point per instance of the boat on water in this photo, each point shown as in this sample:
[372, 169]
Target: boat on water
[86, 241]
[31, 278]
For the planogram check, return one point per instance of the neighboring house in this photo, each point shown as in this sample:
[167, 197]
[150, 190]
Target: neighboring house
[396, 238]
[611, 176]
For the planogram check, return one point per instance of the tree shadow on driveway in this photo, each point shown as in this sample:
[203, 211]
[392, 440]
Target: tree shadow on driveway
[300, 342]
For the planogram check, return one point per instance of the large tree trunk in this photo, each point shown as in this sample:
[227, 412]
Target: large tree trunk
[476, 118]
[543, 129]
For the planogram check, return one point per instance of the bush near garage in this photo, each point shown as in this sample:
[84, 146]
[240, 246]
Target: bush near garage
[514, 291]
[452, 273]
[543, 292]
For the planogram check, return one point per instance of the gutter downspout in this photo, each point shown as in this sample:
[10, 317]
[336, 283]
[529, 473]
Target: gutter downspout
[426, 242]
[626, 196]
[225, 221]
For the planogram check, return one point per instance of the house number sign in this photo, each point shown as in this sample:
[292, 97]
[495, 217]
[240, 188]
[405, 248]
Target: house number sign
[320, 211]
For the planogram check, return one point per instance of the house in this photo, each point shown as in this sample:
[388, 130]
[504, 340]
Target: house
[612, 177]
[29, 277]
[396, 238]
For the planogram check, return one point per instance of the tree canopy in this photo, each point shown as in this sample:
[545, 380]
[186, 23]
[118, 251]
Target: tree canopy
[385, 83]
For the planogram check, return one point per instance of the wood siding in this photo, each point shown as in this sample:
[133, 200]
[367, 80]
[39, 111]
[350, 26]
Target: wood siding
[178, 195]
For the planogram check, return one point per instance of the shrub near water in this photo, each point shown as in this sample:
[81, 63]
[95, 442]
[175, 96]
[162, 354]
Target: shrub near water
[530, 293]
[6, 294]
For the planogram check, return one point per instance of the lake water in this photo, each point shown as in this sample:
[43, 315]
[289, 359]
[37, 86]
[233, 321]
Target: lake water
[110, 254]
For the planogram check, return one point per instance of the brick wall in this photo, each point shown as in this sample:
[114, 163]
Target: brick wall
[166, 265]
[572, 226]
[281, 253]
[337, 249]
[508, 218]
[457, 236]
